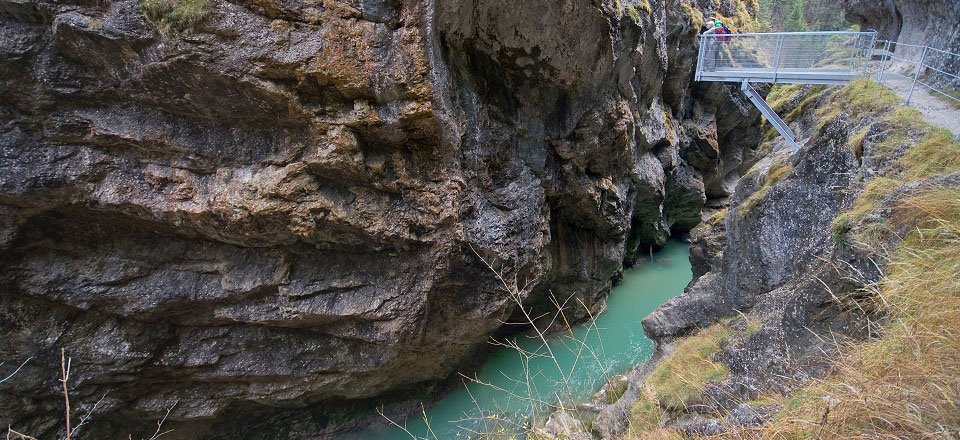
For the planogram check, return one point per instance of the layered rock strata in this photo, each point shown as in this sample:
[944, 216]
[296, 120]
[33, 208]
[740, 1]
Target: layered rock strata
[279, 208]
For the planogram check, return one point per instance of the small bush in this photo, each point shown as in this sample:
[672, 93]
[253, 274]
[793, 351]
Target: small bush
[175, 15]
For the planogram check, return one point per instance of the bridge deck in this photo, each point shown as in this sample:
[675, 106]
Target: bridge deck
[786, 76]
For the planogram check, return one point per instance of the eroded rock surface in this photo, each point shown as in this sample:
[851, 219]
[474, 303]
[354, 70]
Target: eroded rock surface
[276, 212]
[789, 284]
[916, 22]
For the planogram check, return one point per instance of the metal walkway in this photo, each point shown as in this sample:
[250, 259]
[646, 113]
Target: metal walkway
[786, 57]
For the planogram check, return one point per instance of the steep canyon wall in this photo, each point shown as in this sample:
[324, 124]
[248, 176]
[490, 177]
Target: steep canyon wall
[279, 207]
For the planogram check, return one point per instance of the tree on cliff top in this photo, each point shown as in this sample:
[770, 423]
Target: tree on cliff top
[800, 15]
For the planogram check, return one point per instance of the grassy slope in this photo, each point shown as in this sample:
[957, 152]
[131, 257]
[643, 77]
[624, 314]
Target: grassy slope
[905, 384]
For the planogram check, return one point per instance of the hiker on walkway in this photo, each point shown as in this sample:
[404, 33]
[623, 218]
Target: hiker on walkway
[722, 32]
[713, 51]
[710, 51]
[707, 25]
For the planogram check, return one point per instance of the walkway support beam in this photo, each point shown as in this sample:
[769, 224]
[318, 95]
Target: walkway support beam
[779, 124]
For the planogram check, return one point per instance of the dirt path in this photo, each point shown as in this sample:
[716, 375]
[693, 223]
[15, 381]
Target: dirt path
[937, 111]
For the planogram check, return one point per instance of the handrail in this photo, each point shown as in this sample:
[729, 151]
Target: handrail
[934, 78]
[756, 34]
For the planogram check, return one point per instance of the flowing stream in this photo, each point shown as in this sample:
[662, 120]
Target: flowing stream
[588, 355]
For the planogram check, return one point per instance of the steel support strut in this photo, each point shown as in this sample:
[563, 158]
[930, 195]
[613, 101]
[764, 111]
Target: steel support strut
[771, 115]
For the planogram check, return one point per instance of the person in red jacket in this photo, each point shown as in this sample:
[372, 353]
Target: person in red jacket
[722, 32]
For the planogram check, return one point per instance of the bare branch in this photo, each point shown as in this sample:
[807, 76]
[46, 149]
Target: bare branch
[16, 371]
[86, 417]
[20, 436]
[160, 422]
[64, 377]
[404, 428]
[426, 421]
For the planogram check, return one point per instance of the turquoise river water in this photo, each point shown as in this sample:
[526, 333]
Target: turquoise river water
[512, 388]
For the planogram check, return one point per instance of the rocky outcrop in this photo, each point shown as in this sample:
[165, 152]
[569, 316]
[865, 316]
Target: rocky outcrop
[882, 16]
[779, 267]
[275, 215]
[916, 22]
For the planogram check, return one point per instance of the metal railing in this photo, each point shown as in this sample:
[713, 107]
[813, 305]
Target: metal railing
[935, 70]
[785, 57]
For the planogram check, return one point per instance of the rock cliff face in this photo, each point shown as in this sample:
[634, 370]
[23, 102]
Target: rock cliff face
[775, 263]
[277, 209]
[917, 22]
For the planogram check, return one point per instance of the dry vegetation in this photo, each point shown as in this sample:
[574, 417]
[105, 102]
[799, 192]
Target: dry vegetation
[718, 217]
[907, 383]
[777, 171]
[678, 379]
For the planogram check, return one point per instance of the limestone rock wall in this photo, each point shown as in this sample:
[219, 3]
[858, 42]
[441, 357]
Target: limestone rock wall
[775, 263]
[933, 23]
[276, 212]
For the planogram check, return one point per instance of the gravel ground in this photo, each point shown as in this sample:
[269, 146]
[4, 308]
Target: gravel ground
[936, 110]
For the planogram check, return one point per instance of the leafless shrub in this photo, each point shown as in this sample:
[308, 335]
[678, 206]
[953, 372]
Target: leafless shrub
[66, 366]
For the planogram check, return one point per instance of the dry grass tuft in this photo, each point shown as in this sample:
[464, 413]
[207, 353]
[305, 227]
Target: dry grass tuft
[718, 217]
[646, 419]
[936, 153]
[780, 96]
[858, 100]
[873, 193]
[679, 378]
[678, 381]
[175, 15]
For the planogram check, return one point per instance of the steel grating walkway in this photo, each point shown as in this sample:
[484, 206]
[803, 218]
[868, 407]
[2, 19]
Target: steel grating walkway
[787, 57]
